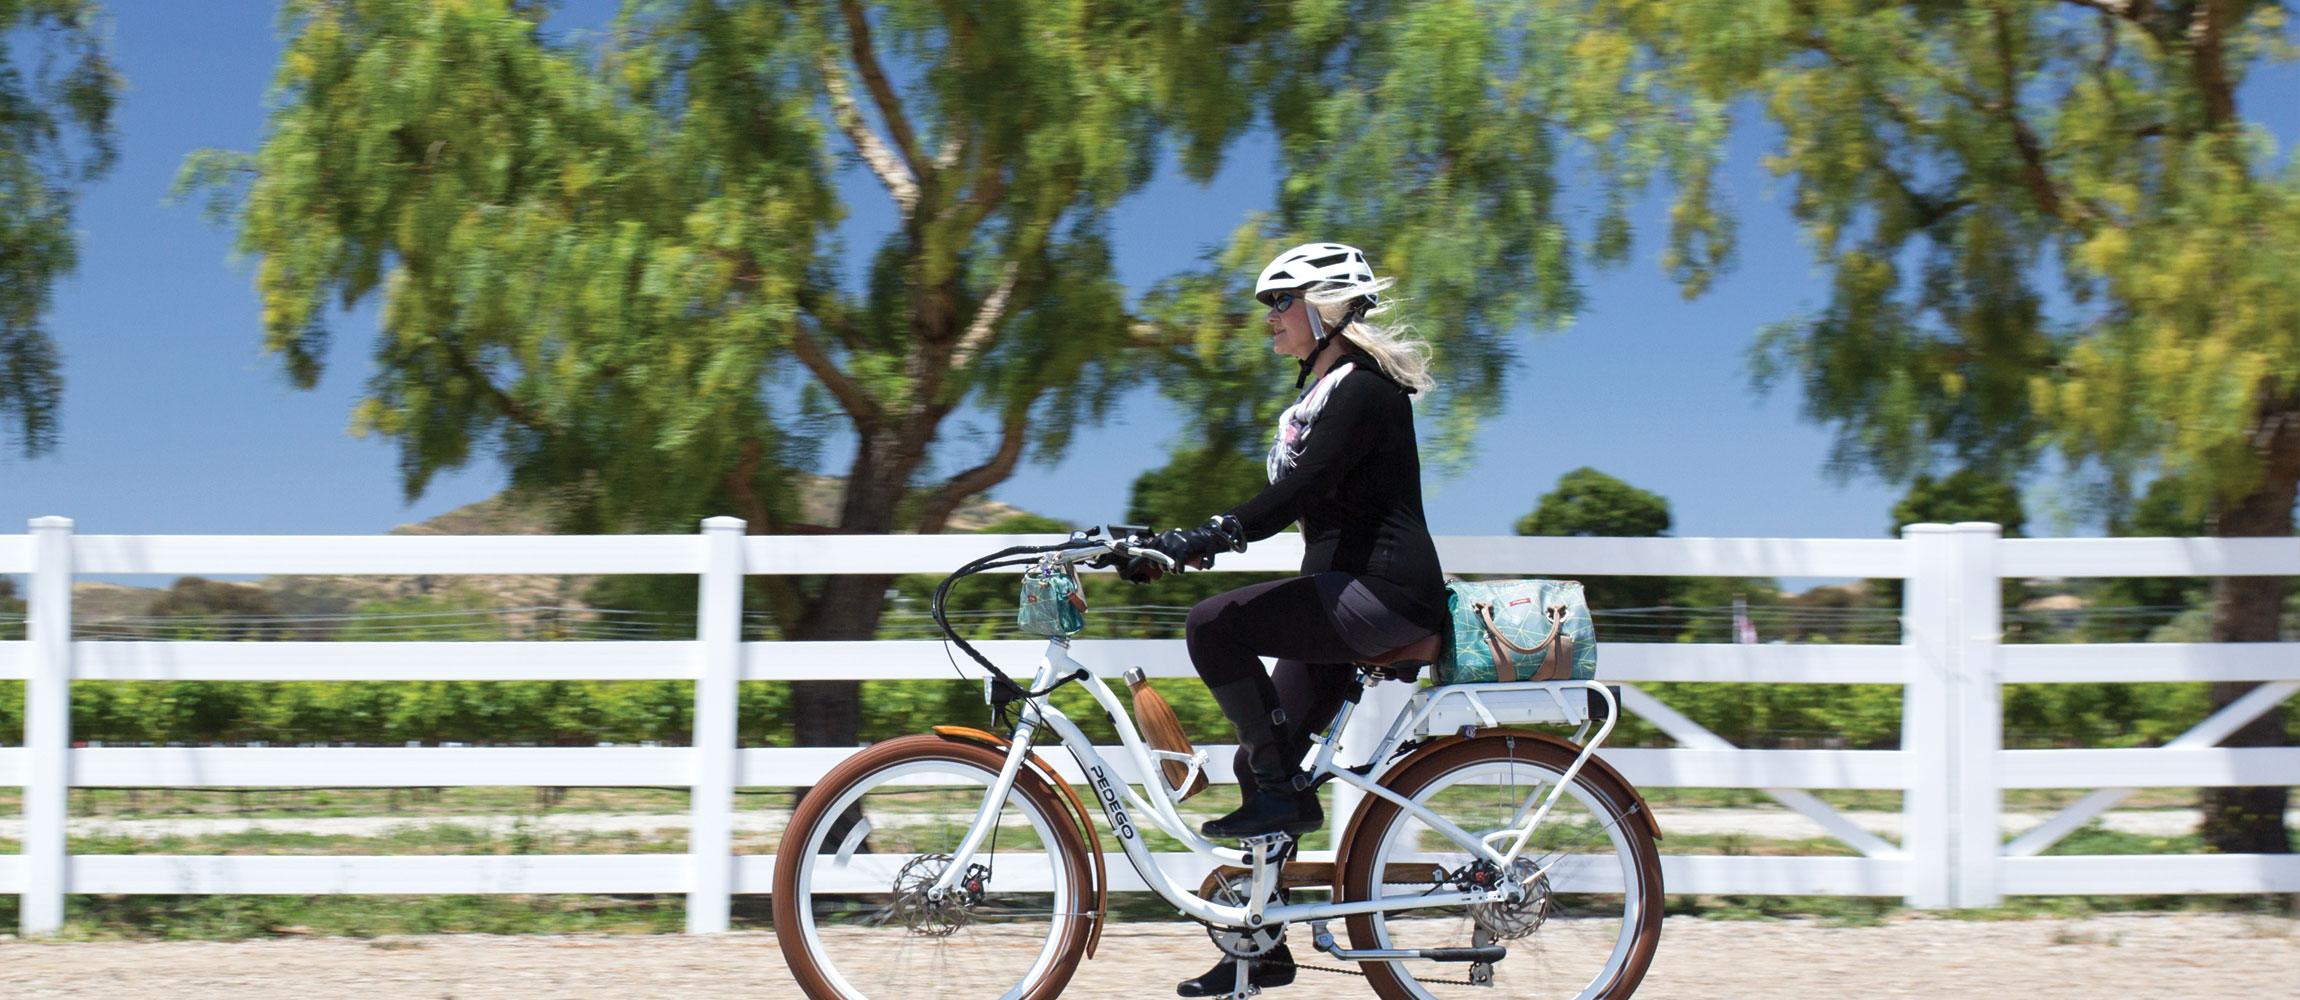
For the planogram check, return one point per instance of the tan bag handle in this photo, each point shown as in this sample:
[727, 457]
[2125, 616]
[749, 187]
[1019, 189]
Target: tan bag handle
[1557, 647]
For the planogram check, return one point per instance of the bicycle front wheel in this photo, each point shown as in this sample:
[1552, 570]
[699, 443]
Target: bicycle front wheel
[852, 911]
[1591, 918]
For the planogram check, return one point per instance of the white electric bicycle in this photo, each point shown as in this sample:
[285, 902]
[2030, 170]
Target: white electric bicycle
[1482, 860]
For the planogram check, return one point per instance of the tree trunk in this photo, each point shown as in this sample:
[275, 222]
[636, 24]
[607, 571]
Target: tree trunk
[829, 713]
[2247, 609]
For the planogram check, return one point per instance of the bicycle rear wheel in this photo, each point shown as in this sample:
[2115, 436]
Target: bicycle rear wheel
[1591, 920]
[851, 911]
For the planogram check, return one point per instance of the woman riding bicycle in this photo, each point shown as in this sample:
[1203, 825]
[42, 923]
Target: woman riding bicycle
[1344, 463]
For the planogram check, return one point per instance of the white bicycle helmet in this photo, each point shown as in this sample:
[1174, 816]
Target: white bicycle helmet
[1314, 264]
[1317, 267]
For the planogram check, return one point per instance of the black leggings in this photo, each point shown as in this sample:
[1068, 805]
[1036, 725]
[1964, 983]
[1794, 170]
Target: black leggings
[1316, 626]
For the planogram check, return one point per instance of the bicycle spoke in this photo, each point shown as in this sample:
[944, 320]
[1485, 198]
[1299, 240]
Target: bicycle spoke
[869, 923]
[1580, 903]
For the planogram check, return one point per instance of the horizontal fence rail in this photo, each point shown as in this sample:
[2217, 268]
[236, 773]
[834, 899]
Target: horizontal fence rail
[1950, 664]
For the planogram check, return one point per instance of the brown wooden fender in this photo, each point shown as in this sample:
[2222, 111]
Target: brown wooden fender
[1349, 833]
[1079, 815]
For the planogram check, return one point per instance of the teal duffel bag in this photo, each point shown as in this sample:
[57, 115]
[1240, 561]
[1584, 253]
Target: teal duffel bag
[1518, 630]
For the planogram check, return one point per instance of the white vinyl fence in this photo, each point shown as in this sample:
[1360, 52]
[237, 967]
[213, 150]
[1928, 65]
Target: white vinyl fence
[1951, 767]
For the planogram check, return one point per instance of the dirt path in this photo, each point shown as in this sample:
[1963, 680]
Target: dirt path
[1772, 823]
[2166, 957]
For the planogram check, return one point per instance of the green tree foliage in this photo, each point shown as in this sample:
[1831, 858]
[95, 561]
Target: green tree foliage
[2161, 512]
[55, 136]
[607, 264]
[1943, 156]
[1587, 502]
[11, 692]
[1963, 495]
[1590, 503]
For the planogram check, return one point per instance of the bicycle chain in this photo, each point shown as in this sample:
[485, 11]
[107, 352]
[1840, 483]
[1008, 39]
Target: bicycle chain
[1349, 972]
[1432, 887]
[1361, 975]
[1354, 972]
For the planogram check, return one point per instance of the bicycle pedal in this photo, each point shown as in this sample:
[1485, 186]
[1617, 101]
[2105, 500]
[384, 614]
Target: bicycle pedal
[1275, 846]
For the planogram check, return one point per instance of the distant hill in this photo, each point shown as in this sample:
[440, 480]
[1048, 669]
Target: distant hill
[819, 499]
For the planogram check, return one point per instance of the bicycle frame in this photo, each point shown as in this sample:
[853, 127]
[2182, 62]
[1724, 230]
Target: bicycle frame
[1121, 803]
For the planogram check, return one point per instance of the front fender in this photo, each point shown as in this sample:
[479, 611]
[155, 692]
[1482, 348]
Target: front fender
[1078, 815]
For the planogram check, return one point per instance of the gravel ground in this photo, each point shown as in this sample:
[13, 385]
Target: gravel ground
[2161, 957]
[1771, 823]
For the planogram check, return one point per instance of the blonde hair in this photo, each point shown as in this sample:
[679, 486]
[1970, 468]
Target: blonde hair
[1402, 355]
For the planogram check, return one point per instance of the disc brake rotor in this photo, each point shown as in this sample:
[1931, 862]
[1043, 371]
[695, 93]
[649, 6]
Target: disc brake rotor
[1509, 921]
[925, 915]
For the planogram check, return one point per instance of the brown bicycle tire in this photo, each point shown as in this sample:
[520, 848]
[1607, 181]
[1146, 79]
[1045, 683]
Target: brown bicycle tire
[1362, 840]
[807, 971]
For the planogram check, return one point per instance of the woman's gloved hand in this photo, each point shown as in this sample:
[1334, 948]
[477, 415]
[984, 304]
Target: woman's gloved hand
[1194, 547]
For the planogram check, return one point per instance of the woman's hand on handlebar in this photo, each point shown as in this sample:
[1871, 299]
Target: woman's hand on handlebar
[1170, 551]
[1137, 555]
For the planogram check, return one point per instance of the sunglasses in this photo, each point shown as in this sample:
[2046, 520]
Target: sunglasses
[1282, 301]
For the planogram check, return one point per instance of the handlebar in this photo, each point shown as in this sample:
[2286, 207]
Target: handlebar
[1087, 545]
[1125, 542]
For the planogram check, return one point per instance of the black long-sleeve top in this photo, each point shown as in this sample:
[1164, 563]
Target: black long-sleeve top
[1357, 490]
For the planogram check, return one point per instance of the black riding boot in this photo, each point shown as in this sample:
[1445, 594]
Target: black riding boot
[1269, 971]
[1273, 756]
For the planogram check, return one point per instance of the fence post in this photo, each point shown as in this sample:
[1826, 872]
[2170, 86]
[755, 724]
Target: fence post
[48, 727]
[719, 627]
[1976, 703]
[1928, 606]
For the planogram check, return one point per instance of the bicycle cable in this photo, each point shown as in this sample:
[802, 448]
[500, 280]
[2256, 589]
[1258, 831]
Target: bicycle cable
[1003, 688]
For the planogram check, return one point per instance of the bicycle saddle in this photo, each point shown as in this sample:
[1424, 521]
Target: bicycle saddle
[1405, 662]
[1417, 653]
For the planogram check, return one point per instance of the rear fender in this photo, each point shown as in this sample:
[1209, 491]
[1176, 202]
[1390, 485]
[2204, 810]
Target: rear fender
[1350, 832]
[1652, 822]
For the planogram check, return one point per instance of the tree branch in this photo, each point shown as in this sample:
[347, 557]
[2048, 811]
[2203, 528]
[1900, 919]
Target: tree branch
[1929, 209]
[882, 92]
[859, 406]
[981, 200]
[512, 408]
[2007, 104]
[828, 313]
[2113, 8]
[950, 154]
[939, 507]
[899, 181]
[986, 319]
[1144, 333]
[2209, 62]
[2026, 145]
[932, 364]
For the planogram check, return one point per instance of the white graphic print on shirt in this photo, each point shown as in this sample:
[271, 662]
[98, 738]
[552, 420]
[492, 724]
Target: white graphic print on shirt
[1294, 424]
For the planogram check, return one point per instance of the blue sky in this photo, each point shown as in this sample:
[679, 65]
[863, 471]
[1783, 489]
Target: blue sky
[175, 421]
